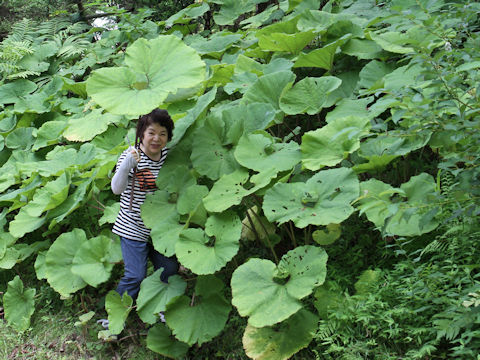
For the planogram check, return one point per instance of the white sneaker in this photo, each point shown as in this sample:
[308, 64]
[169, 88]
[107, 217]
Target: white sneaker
[104, 323]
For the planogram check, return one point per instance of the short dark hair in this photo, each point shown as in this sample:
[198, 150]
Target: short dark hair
[158, 116]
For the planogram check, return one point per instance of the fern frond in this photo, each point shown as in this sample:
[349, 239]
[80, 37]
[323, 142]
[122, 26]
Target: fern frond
[73, 46]
[23, 74]
[15, 50]
[23, 30]
[48, 29]
[325, 330]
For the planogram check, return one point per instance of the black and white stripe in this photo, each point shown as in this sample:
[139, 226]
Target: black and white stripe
[129, 223]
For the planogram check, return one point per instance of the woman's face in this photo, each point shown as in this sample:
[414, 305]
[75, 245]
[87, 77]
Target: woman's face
[154, 140]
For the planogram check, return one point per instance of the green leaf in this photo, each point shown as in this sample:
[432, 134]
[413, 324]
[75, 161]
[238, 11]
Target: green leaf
[392, 41]
[207, 252]
[154, 295]
[49, 134]
[260, 152]
[12, 92]
[88, 126]
[24, 223]
[161, 341]
[227, 191]
[19, 304]
[308, 95]
[332, 234]
[211, 155]
[20, 138]
[230, 10]
[215, 45]
[325, 198]
[362, 49]
[281, 341]
[244, 119]
[403, 218]
[205, 319]
[165, 227]
[355, 108]
[291, 43]
[321, 58]
[269, 294]
[269, 88]
[155, 69]
[118, 309]
[110, 214]
[367, 282]
[182, 124]
[332, 143]
[59, 262]
[52, 194]
[91, 261]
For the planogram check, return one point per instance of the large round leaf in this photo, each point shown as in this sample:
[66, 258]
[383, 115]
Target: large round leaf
[19, 304]
[154, 295]
[155, 69]
[325, 198]
[212, 155]
[205, 319]
[282, 341]
[261, 151]
[161, 340]
[269, 294]
[92, 260]
[209, 251]
[12, 92]
[59, 260]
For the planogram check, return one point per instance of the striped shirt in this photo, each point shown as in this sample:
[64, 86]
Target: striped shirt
[129, 223]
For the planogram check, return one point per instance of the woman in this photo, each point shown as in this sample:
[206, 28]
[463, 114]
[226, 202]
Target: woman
[140, 166]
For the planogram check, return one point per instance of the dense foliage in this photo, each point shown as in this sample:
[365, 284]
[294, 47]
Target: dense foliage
[322, 183]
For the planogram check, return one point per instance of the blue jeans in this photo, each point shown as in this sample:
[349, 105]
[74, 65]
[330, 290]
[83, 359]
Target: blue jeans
[135, 256]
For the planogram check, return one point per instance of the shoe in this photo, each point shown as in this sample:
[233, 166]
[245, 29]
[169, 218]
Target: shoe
[104, 323]
[161, 315]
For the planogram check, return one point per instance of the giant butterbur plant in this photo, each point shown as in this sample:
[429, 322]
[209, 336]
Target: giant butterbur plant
[288, 116]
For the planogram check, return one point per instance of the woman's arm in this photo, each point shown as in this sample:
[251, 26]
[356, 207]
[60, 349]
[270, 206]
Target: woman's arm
[120, 179]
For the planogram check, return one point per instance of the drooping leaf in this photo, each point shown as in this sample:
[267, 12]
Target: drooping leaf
[268, 88]
[403, 218]
[205, 252]
[154, 295]
[20, 138]
[161, 341]
[332, 233]
[325, 198]
[330, 144]
[205, 319]
[269, 294]
[159, 214]
[118, 307]
[281, 341]
[308, 95]
[19, 304]
[86, 127]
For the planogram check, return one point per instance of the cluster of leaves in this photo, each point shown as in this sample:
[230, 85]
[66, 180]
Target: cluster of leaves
[288, 122]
